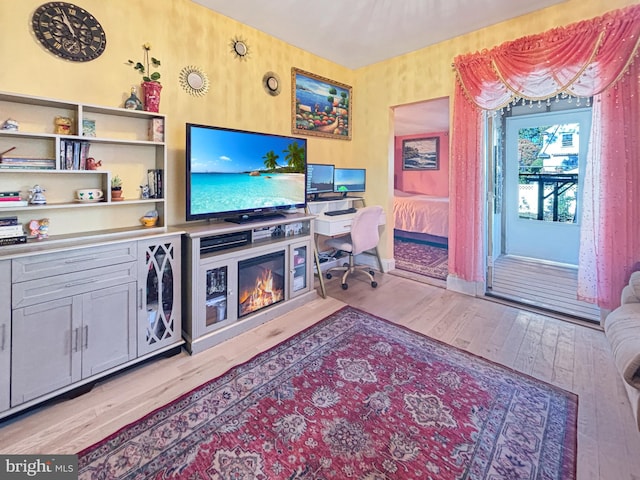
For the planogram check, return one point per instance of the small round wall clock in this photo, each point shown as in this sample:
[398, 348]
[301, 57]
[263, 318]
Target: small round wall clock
[69, 31]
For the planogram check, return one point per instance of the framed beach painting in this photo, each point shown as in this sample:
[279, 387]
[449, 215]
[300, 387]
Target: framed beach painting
[420, 154]
[319, 106]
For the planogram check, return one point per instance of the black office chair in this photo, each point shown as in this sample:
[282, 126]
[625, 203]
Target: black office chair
[364, 236]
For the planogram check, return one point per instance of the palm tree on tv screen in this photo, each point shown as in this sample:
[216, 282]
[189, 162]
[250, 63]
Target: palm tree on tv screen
[295, 157]
[270, 160]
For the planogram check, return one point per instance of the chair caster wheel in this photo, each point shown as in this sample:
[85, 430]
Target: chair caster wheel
[372, 273]
[328, 275]
[345, 265]
[374, 284]
[345, 286]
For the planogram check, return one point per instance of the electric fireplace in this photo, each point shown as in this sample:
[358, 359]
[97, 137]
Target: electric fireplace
[261, 282]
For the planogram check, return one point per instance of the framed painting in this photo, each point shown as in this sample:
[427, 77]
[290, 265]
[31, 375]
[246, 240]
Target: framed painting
[320, 106]
[420, 154]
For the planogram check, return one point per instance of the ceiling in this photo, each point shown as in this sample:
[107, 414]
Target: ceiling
[357, 33]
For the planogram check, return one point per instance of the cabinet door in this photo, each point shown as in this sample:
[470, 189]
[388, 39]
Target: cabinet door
[46, 348]
[299, 268]
[217, 298]
[108, 334]
[5, 333]
[159, 314]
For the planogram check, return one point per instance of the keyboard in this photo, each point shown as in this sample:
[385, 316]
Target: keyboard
[346, 211]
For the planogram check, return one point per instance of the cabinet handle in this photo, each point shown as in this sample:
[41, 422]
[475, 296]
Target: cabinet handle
[81, 259]
[4, 336]
[80, 282]
[86, 337]
[76, 332]
[140, 293]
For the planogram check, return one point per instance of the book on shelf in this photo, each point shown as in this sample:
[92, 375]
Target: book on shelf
[7, 199]
[88, 127]
[9, 194]
[14, 203]
[13, 240]
[11, 231]
[12, 220]
[156, 183]
[73, 154]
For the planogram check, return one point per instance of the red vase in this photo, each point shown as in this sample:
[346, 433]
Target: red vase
[151, 96]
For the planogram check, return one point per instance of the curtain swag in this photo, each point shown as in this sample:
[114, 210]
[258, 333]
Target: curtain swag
[582, 59]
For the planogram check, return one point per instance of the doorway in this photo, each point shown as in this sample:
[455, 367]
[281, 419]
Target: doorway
[539, 164]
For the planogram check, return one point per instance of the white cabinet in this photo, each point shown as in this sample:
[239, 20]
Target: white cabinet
[5, 334]
[124, 142]
[63, 341]
[159, 313]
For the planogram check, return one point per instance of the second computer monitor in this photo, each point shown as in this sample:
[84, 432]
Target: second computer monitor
[348, 180]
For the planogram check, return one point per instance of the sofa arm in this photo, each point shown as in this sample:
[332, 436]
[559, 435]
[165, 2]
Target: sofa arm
[622, 328]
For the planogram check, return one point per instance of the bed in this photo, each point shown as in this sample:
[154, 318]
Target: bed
[421, 213]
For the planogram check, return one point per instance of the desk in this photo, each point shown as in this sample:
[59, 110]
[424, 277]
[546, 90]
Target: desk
[333, 226]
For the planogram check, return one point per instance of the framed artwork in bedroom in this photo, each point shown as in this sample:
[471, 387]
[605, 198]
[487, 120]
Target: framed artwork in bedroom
[319, 106]
[420, 154]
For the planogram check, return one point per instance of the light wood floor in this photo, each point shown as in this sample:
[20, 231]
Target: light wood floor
[545, 285]
[568, 355]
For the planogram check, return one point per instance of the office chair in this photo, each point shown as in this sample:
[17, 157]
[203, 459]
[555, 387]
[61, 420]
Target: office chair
[364, 236]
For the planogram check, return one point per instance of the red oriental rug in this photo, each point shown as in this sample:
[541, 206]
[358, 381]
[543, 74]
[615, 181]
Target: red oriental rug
[354, 396]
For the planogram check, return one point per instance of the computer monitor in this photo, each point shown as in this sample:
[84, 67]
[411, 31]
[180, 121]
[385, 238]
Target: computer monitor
[347, 180]
[319, 179]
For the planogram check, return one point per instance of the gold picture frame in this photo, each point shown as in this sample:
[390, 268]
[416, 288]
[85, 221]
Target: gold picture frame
[320, 106]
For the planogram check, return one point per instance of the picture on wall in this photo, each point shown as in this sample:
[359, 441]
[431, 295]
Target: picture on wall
[420, 154]
[320, 106]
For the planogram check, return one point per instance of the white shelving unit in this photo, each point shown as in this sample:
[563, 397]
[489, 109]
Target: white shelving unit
[123, 143]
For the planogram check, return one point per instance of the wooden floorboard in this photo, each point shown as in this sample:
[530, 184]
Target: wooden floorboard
[549, 286]
[567, 355]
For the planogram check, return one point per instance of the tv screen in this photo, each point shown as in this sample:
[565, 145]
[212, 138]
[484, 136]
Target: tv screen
[241, 175]
[347, 180]
[319, 178]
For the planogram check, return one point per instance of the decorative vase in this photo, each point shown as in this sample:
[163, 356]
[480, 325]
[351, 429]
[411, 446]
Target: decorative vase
[152, 96]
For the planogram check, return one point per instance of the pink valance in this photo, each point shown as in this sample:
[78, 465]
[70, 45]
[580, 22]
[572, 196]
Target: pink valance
[582, 59]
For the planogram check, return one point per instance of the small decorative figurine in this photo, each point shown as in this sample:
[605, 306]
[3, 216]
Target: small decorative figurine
[63, 125]
[144, 192]
[36, 196]
[10, 124]
[133, 102]
[43, 230]
[93, 164]
[39, 228]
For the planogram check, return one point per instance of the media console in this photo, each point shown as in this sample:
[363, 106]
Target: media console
[238, 276]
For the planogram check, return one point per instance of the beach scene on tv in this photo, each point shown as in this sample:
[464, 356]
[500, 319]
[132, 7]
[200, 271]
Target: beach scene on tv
[235, 170]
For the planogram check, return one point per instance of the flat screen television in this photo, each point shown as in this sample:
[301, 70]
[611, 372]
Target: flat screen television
[319, 179]
[242, 176]
[347, 180]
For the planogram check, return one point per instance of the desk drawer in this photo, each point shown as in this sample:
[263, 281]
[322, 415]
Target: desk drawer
[39, 266]
[45, 289]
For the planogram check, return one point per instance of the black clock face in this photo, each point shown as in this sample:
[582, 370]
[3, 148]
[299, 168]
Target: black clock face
[69, 31]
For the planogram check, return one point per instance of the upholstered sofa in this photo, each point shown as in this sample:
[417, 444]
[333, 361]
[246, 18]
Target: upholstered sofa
[622, 328]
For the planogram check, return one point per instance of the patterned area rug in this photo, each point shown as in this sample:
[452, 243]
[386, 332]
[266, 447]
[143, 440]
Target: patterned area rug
[421, 258]
[354, 396]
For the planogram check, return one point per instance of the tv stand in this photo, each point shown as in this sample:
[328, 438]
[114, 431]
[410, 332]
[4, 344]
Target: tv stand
[214, 261]
[258, 217]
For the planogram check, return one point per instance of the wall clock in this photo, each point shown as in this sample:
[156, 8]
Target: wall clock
[69, 31]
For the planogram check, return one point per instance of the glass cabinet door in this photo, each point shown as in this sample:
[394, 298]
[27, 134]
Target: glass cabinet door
[160, 306]
[216, 295]
[300, 265]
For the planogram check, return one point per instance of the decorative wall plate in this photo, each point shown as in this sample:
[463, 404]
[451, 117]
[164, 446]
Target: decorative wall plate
[194, 81]
[239, 48]
[271, 83]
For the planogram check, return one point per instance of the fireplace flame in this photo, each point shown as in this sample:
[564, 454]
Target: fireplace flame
[263, 294]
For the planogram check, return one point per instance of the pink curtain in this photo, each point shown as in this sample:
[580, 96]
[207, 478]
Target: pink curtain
[583, 59]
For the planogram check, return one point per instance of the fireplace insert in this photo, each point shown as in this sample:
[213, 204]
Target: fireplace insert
[261, 282]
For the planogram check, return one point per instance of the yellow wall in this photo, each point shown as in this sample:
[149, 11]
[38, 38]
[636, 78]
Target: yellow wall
[183, 33]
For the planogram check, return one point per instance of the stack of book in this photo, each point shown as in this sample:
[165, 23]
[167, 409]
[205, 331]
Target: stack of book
[12, 199]
[26, 163]
[11, 232]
